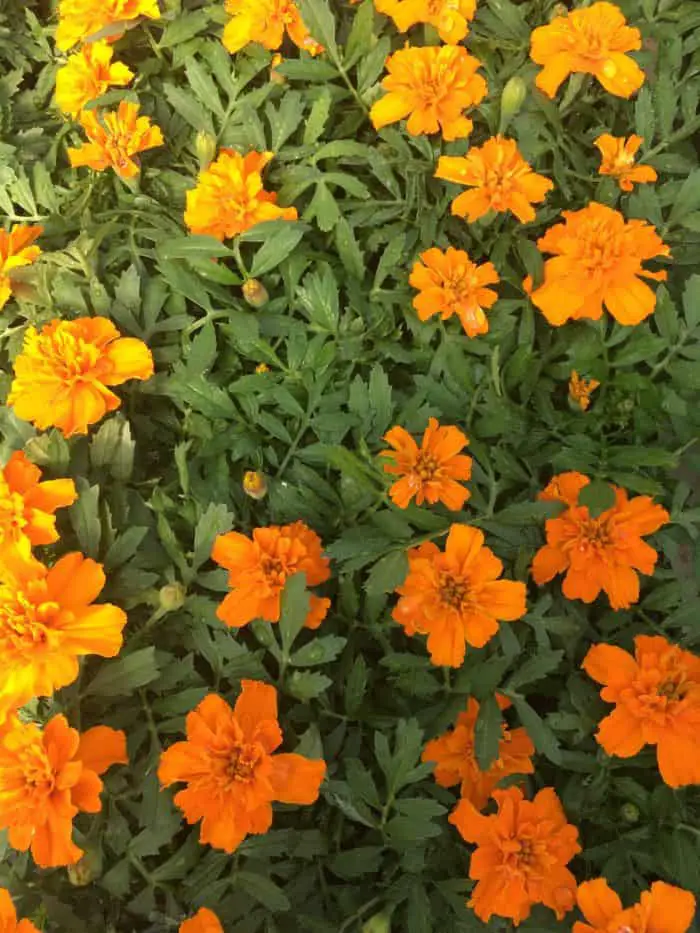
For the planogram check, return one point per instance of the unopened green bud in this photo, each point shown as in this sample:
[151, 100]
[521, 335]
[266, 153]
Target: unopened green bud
[512, 97]
[379, 923]
[629, 812]
[255, 293]
[171, 596]
[205, 147]
[559, 9]
[86, 869]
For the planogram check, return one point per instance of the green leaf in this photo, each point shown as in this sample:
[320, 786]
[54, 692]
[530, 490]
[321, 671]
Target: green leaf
[294, 609]
[121, 677]
[307, 685]
[348, 249]
[277, 247]
[85, 518]
[535, 668]
[318, 651]
[263, 890]
[487, 733]
[387, 574]
[544, 739]
[216, 520]
[194, 246]
[597, 496]
[320, 22]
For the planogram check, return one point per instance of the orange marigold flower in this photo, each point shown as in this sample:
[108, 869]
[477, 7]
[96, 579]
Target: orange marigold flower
[432, 86]
[231, 774]
[456, 762]
[450, 283]
[451, 18]
[591, 41]
[46, 778]
[455, 597]
[618, 160]
[598, 260]
[80, 19]
[63, 373]
[657, 702]
[8, 916]
[230, 199]
[259, 568]
[87, 75]
[204, 921]
[580, 390]
[265, 22]
[16, 249]
[115, 139]
[564, 487]
[430, 472]
[602, 552]
[521, 856]
[662, 909]
[500, 178]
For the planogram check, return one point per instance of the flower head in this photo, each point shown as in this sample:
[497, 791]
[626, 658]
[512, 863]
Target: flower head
[259, 568]
[598, 260]
[657, 702]
[450, 283]
[431, 472]
[593, 41]
[232, 777]
[265, 22]
[81, 19]
[16, 249]
[580, 390]
[204, 921]
[87, 74]
[432, 86]
[521, 856]
[564, 487]
[115, 139]
[662, 909]
[618, 160]
[455, 597]
[46, 778]
[500, 179]
[8, 916]
[254, 484]
[451, 18]
[63, 373]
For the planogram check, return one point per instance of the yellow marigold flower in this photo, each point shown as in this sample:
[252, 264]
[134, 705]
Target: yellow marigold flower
[80, 19]
[63, 373]
[115, 141]
[451, 18]
[254, 484]
[618, 160]
[255, 294]
[593, 41]
[262, 368]
[265, 22]
[500, 178]
[580, 390]
[16, 249]
[230, 199]
[87, 75]
[432, 86]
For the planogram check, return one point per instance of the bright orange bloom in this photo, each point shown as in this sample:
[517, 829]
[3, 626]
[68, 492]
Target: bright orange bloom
[657, 702]
[591, 41]
[265, 22]
[431, 472]
[603, 552]
[231, 774]
[598, 260]
[115, 139]
[259, 568]
[46, 778]
[662, 909]
[204, 921]
[62, 373]
[87, 75]
[80, 19]
[618, 160]
[432, 86]
[564, 487]
[580, 390]
[8, 916]
[521, 856]
[450, 283]
[455, 597]
[500, 178]
[16, 249]
[456, 762]
[230, 199]
[451, 18]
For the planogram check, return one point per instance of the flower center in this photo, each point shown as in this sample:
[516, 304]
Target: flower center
[12, 519]
[274, 569]
[426, 466]
[24, 625]
[36, 770]
[595, 533]
[453, 592]
[601, 248]
[243, 763]
[67, 356]
[674, 688]
[526, 855]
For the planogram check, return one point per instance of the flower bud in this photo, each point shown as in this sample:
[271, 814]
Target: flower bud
[275, 76]
[262, 368]
[255, 485]
[512, 98]
[205, 147]
[255, 293]
[172, 597]
[629, 812]
[86, 869]
[379, 923]
[559, 9]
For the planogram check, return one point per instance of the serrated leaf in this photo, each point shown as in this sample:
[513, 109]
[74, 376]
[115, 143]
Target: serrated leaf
[295, 602]
[277, 247]
[535, 668]
[487, 733]
[544, 739]
[319, 651]
[597, 496]
[121, 677]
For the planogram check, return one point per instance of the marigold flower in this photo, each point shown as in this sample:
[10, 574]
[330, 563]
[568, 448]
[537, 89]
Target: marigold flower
[231, 774]
[450, 283]
[115, 139]
[46, 778]
[657, 702]
[230, 199]
[456, 762]
[593, 41]
[598, 260]
[87, 75]
[254, 484]
[580, 390]
[16, 249]
[451, 18]
[432, 86]
[63, 373]
[662, 909]
[259, 568]
[455, 597]
[500, 178]
[265, 22]
[80, 19]
[431, 472]
[204, 921]
[521, 856]
[564, 487]
[603, 552]
[8, 916]
[618, 160]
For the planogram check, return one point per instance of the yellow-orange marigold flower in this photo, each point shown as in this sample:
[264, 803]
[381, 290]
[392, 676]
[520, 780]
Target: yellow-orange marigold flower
[500, 179]
[456, 762]
[451, 18]
[564, 487]
[657, 702]
[230, 199]
[87, 74]
[521, 856]
[593, 41]
[115, 139]
[432, 472]
[603, 552]
[63, 373]
[265, 22]
[8, 916]
[432, 86]
[450, 283]
[204, 921]
[228, 765]
[662, 909]
[259, 568]
[618, 160]
[46, 778]
[580, 390]
[598, 260]
[455, 597]
[16, 249]
[81, 19]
